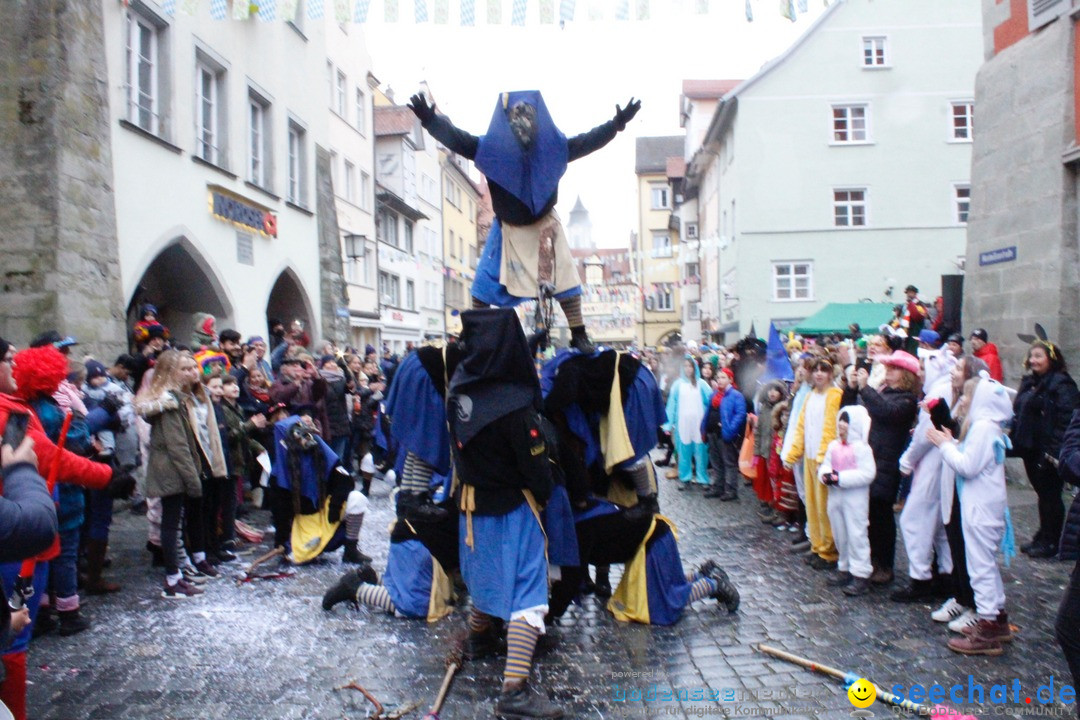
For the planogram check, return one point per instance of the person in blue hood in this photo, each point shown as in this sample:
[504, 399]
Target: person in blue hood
[523, 155]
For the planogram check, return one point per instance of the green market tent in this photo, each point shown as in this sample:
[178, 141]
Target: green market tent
[835, 318]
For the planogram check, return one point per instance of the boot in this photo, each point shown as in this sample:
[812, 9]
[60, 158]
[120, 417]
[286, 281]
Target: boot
[157, 558]
[95, 561]
[45, 623]
[483, 644]
[523, 700]
[71, 622]
[857, 586]
[353, 555]
[579, 340]
[647, 506]
[984, 637]
[343, 591]
[602, 585]
[839, 579]
[725, 592]
[918, 591]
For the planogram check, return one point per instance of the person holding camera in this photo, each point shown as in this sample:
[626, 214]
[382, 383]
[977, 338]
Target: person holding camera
[300, 387]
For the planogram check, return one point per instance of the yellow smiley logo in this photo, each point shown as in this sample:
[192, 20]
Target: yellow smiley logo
[862, 693]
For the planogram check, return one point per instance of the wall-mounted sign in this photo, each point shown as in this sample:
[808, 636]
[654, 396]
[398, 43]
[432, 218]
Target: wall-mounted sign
[241, 212]
[1001, 255]
[397, 316]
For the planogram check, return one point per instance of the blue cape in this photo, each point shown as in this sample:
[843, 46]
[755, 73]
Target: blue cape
[309, 483]
[531, 176]
[418, 415]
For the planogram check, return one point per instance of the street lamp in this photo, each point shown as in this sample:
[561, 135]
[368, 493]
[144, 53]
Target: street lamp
[355, 246]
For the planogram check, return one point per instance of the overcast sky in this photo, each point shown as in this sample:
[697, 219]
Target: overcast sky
[583, 70]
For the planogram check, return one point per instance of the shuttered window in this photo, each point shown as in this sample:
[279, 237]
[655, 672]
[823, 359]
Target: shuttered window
[1041, 12]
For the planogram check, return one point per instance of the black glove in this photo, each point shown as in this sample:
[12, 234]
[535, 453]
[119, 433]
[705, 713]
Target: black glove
[111, 404]
[624, 116]
[419, 105]
[121, 486]
[831, 479]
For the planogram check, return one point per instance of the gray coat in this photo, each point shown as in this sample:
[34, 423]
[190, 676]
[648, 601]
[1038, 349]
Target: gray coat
[173, 466]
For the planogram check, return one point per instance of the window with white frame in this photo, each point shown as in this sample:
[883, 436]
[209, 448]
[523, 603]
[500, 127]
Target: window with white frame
[693, 310]
[961, 203]
[389, 289]
[873, 51]
[350, 182]
[431, 294]
[260, 147]
[431, 242]
[297, 176]
[365, 191]
[849, 123]
[963, 120]
[144, 72]
[341, 105]
[210, 120]
[410, 294]
[691, 230]
[692, 271]
[849, 207]
[663, 295]
[361, 111]
[793, 281]
[661, 198]
[386, 227]
[409, 236]
[661, 245]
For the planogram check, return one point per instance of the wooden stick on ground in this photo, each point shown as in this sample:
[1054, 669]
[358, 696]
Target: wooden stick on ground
[280, 550]
[356, 686]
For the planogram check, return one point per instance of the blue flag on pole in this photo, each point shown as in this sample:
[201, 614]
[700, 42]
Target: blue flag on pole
[777, 364]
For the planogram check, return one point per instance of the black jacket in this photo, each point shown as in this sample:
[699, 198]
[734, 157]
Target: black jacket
[1069, 468]
[1042, 410]
[892, 414]
[336, 411]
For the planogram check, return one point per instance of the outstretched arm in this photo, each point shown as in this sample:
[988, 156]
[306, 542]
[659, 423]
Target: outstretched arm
[581, 145]
[440, 127]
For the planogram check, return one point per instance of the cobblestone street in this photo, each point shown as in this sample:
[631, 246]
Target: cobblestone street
[266, 650]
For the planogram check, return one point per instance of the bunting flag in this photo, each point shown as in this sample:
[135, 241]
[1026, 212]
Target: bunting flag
[547, 12]
[468, 12]
[596, 10]
[169, 6]
[189, 7]
[517, 16]
[267, 10]
[420, 11]
[219, 9]
[494, 12]
[362, 7]
[315, 9]
[566, 10]
[341, 11]
[642, 9]
[288, 10]
[702, 7]
[442, 12]
[749, 12]
[777, 365]
[622, 9]
[803, 5]
[390, 10]
[787, 9]
[241, 10]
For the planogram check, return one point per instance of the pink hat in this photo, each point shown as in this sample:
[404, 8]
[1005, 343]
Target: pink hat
[902, 360]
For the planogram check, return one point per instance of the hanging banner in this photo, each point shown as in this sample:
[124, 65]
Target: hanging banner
[390, 10]
[420, 11]
[315, 9]
[749, 12]
[341, 11]
[189, 7]
[468, 12]
[169, 6]
[442, 12]
[622, 9]
[362, 7]
[241, 10]
[288, 10]
[267, 10]
[787, 9]
[219, 9]
[517, 16]
[494, 12]
[547, 12]
[566, 10]
[642, 9]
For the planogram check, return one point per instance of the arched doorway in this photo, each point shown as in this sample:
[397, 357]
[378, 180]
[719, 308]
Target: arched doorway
[180, 283]
[288, 302]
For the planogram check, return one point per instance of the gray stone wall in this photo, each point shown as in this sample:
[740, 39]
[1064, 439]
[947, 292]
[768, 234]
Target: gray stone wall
[332, 287]
[1023, 195]
[60, 266]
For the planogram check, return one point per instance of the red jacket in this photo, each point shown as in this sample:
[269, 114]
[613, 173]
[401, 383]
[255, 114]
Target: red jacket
[989, 355]
[73, 469]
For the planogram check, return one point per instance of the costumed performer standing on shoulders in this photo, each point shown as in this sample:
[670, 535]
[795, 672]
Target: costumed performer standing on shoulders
[523, 155]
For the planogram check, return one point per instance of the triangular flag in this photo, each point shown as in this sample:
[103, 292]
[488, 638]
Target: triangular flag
[622, 9]
[787, 9]
[241, 9]
[547, 12]
[189, 7]
[642, 9]
[468, 12]
[517, 16]
[494, 12]
[390, 11]
[361, 11]
[288, 10]
[420, 11]
[703, 7]
[267, 10]
[803, 5]
[169, 6]
[566, 10]
[315, 9]
[596, 10]
[218, 9]
[442, 12]
[341, 11]
[749, 12]
[777, 364]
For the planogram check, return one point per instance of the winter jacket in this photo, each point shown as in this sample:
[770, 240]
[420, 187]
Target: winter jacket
[763, 436]
[1042, 410]
[337, 414]
[1069, 467]
[241, 448]
[365, 408]
[732, 415]
[892, 414]
[989, 355]
[173, 466]
[306, 394]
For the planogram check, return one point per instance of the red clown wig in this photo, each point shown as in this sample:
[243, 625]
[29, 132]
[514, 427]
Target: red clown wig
[38, 371]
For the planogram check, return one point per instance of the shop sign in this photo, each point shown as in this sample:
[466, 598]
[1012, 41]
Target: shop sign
[242, 213]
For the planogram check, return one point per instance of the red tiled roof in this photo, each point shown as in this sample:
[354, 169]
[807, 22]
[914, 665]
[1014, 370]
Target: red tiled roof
[676, 167]
[708, 88]
[394, 120]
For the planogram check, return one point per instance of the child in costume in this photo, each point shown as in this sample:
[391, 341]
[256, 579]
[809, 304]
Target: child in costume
[686, 406]
[848, 470]
[523, 155]
[782, 479]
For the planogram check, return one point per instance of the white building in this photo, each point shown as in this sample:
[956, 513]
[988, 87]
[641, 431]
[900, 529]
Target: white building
[214, 132]
[840, 171]
[350, 91]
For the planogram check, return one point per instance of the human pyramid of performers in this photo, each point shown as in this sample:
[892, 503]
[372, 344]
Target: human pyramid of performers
[516, 481]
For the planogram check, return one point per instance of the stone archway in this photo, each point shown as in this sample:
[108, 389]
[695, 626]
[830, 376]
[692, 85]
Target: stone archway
[180, 283]
[288, 302]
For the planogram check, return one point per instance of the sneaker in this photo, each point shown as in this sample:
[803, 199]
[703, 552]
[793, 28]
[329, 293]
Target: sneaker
[858, 586]
[782, 527]
[728, 497]
[525, 701]
[181, 590]
[949, 610]
[225, 556]
[713, 492]
[683, 486]
[819, 563]
[771, 519]
[207, 569]
[794, 528]
[965, 619]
